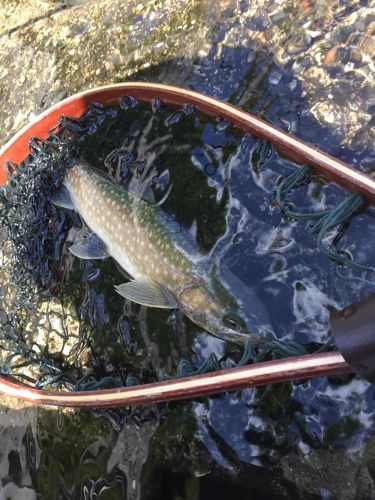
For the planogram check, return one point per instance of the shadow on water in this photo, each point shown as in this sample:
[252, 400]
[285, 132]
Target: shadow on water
[287, 441]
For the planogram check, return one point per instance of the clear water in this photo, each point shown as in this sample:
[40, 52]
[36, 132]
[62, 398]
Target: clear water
[272, 443]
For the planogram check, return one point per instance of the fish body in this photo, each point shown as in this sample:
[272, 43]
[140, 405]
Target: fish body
[167, 270]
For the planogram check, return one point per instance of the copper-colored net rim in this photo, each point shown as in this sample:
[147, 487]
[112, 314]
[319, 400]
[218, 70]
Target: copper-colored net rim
[269, 372]
[300, 367]
[327, 166]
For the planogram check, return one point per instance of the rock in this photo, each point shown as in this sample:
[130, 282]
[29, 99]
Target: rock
[52, 49]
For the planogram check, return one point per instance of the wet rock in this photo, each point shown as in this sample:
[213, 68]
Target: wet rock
[49, 50]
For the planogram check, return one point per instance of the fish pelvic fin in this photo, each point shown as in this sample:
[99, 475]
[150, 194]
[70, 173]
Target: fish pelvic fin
[147, 293]
[90, 249]
[62, 198]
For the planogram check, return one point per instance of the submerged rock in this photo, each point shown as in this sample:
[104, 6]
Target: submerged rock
[329, 475]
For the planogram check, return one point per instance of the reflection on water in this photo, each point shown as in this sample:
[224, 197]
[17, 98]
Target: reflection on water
[20, 452]
[295, 65]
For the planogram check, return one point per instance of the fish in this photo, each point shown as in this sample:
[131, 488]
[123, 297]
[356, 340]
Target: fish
[166, 268]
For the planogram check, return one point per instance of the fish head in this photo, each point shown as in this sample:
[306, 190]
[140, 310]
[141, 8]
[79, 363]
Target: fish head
[215, 312]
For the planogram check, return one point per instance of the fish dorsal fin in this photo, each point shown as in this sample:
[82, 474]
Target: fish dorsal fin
[93, 248]
[143, 190]
[181, 238]
[164, 197]
[148, 195]
[147, 293]
[62, 198]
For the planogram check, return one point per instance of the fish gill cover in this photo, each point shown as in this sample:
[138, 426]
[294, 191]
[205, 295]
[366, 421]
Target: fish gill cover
[63, 325]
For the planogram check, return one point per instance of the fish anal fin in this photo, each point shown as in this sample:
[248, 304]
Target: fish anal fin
[147, 293]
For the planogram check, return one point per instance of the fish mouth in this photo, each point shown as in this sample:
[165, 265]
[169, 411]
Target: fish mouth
[238, 338]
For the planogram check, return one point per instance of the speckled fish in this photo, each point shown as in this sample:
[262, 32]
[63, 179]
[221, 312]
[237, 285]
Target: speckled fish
[167, 270]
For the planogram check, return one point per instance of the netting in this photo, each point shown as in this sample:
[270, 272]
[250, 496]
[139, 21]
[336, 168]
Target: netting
[45, 333]
[328, 220]
[43, 339]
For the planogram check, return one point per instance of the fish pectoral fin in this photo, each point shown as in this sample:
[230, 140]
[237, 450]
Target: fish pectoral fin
[147, 293]
[92, 249]
[62, 198]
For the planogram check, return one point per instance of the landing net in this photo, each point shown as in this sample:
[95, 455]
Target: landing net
[45, 334]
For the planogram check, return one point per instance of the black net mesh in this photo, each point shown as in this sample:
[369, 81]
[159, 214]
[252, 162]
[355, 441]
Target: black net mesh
[42, 339]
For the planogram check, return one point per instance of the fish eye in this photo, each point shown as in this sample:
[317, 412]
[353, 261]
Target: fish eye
[231, 322]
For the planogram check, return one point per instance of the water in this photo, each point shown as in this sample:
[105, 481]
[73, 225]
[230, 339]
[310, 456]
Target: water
[270, 442]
